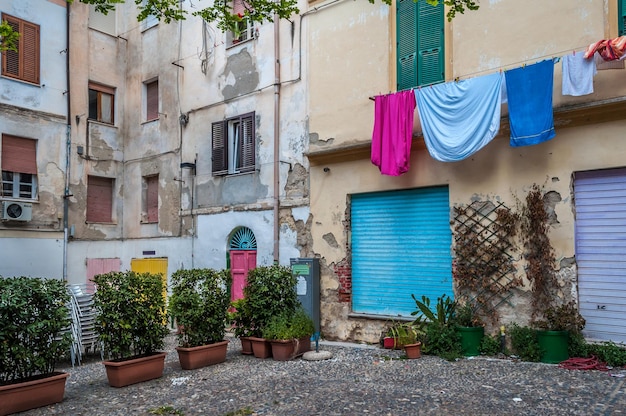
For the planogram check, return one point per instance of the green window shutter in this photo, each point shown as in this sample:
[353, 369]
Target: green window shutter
[406, 38]
[621, 17]
[420, 43]
[218, 149]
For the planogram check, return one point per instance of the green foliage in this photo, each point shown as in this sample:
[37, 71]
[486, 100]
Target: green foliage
[33, 314]
[466, 315]
[405, 333]
[608, 352]
[456, 6]
[131, 318]
[564, 317]
[270, 291]
[524, 342]
[440, 335]
[199, 304]
[241, 318]
[8, 38]
[289, 325]
[490, 345]
[577, 346]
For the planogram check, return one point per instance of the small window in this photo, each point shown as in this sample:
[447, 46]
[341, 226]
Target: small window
[150, 199]
[233, 145]
[245, 28]
[19, 167]
[99, 199]
[150, 21]
[22, 64]
[152, 100]
[102, 22]
[101, 103]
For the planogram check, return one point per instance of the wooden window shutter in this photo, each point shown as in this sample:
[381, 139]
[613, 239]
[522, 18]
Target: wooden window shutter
[99, 199]
[406, 40]
[430, 43]
[621, 18]
[152, 100]
[247, 144]
[19, 154]
[23, 64]
[152, 198]
[219, 152]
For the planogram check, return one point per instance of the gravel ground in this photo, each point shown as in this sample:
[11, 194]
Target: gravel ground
[358, 380]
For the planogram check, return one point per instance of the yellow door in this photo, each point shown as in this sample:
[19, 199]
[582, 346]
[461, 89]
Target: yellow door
[152, 265]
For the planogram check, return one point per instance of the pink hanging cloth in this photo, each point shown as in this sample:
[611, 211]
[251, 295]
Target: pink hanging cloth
[393, 132]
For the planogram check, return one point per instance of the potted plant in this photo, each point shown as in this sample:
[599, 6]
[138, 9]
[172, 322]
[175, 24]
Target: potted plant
[440, 334]
[33, 337]
[199, 305]
[407, 336]
[131, 321]
[241, 323]
[270, 291]
[554, 330]
[470, 328]
[289, 334]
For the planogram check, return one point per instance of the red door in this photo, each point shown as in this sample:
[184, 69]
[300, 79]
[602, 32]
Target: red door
[241, 261]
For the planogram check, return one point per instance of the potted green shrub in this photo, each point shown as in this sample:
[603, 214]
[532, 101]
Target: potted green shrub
[241, 323]
[407, 336]
[470, 328]
[199, 305]
[131, 321]
[270, 291]
[289, 334]
[440, 335]
[33, 320]
[554, 330]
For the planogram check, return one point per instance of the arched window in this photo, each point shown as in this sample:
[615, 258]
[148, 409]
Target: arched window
[242, 239]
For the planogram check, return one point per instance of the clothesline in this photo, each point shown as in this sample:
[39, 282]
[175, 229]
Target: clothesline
[556, 57]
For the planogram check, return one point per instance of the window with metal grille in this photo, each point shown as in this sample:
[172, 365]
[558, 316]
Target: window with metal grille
[152, 100]
[420, 43]
[19, 167]
[233, 145]
[101, 103]
[245, 28]
[99, 199]
[22, 64]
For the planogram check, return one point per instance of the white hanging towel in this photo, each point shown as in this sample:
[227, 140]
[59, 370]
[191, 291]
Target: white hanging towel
[578, 74]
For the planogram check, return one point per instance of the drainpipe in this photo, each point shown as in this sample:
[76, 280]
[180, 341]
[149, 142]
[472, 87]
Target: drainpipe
[68, 142]
[276, 139]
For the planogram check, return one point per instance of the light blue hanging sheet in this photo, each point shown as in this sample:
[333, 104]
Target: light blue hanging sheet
[459, 118]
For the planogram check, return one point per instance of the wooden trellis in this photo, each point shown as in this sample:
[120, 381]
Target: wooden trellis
[484, 271]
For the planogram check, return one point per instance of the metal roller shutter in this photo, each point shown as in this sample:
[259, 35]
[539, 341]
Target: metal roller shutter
[401, 243]
[601, 252]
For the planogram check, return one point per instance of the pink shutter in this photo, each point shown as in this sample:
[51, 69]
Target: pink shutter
[19, 154]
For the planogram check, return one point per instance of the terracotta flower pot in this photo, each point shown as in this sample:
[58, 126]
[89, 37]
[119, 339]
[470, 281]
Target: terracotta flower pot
[413, 350]
[261, 347]
[202, 356]
[135, 370]
[246, 345]
[19, 397]
[288, 349]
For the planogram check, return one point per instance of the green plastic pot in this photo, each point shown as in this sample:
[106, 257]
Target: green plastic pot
[471, 338]
[553, 346]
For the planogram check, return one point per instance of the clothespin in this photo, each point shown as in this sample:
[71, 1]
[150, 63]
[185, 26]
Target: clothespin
[456, 79]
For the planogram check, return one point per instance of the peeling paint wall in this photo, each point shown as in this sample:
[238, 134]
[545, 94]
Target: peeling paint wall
[477, 43]
[38, 112]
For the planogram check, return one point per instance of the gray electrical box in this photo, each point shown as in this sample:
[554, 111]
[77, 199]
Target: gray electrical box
[307, 273]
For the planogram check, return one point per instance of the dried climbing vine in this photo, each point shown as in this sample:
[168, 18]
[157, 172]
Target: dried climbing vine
[538, 251]
[484, 273]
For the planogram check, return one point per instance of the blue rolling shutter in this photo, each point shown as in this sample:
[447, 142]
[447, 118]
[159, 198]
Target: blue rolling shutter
[420, 43]
[400, 245]
[601, 252]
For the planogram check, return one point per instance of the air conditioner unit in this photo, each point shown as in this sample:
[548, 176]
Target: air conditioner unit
[16, 211]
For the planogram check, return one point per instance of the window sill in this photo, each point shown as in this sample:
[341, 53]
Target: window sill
[23, 81]
[230, 175]
[100, 223]
[150, 121]
[235, 44]
[101, 123]
[11, 199]
[380, 317]
[145, 222]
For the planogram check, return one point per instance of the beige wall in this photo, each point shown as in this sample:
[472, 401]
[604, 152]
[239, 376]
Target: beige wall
[501, 35]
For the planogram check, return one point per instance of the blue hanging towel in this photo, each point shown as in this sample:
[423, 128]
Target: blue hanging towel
[460, 118]
[529, 91]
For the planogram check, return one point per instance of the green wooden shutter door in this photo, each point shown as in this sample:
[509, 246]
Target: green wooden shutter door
[621, 18]
[420, 43]
[406, 35]
[430, 61]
